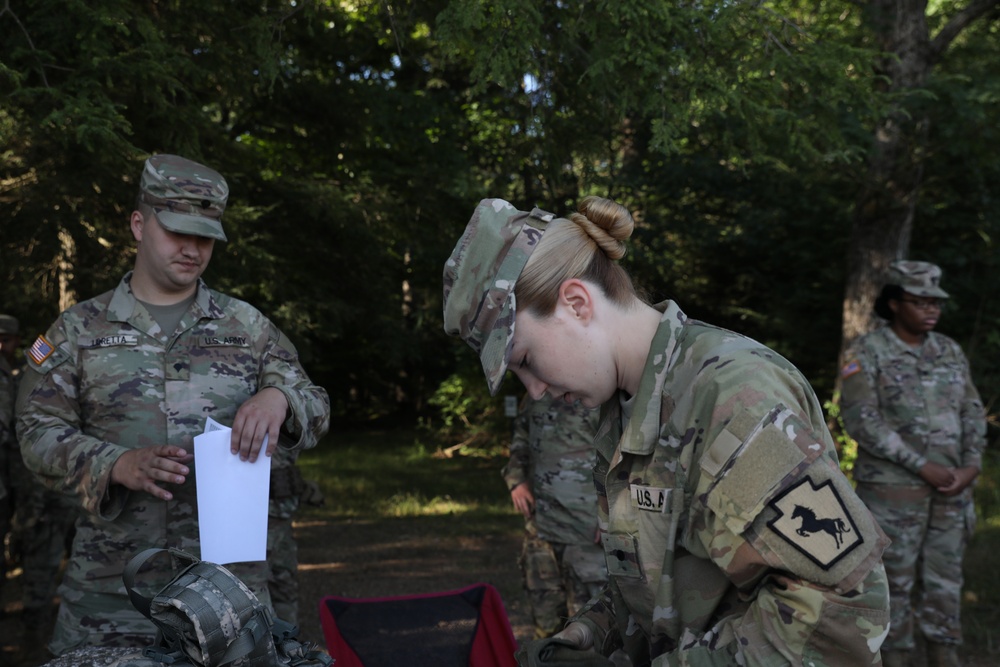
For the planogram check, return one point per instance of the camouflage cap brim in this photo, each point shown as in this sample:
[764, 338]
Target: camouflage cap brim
[479, 280]
[935, 292]
[497, 347]
[195, 225]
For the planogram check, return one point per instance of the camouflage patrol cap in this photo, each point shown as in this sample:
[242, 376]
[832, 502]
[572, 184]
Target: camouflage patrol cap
[9, 325]
[917, 278]
[479, 280]
[188, 197]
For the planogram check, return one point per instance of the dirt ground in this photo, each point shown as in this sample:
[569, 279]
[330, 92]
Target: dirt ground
[373, 559]
[361, 559]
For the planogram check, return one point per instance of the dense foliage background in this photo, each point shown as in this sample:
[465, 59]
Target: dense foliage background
[773, 153]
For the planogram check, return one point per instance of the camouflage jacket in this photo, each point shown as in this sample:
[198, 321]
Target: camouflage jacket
[906, 406]
[8, 394]
[731, 535]
[114, 381]
[553, 451]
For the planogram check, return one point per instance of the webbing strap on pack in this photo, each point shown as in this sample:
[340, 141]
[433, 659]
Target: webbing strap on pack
[140, 601]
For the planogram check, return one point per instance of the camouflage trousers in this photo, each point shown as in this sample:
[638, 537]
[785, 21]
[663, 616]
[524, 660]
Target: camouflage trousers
[40, 535]
[559, 579]
[924, 562]
[283, 566]
[6, 506]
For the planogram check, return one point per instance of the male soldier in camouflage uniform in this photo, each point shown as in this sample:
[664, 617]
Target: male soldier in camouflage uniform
[115, 391]
[42, 519]
[909, 401]
[731, 536]
[551, 483]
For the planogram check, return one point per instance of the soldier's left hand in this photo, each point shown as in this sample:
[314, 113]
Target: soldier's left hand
[262, 415]
[963, 477]
[524, 499]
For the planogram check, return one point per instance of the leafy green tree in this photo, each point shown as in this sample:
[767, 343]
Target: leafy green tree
[914, 38]
[357, 138]
[89, 91]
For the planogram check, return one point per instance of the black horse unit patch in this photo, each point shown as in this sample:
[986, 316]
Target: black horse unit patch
[813, 519]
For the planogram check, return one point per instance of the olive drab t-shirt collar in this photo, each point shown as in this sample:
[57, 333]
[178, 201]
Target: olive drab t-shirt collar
[639, 431]
[125, 307]
[929, 346]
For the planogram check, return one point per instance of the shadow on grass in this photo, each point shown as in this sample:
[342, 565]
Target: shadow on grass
[981, 590]
[981, 599]
[393, 474]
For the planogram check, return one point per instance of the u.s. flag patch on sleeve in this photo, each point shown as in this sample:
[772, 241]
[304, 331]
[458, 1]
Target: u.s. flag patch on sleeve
[40, 350]
[850, 368]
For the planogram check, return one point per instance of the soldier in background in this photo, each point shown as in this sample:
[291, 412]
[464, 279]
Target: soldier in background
[9, 340]
[42, 522]
[550, 478]
[116, 390]
[908, 399]
[288, 490]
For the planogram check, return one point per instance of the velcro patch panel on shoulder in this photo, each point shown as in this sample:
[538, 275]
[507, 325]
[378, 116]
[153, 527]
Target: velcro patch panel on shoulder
[44, 355]
[766, 458]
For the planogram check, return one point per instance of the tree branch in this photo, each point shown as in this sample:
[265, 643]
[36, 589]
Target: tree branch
[958, 23]
[6, 9]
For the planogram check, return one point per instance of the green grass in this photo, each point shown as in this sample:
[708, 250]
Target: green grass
[391, 474]
[981, 604]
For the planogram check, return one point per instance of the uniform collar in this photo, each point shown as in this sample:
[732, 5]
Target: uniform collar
[122, 307]
[928, 346]
[642, 431]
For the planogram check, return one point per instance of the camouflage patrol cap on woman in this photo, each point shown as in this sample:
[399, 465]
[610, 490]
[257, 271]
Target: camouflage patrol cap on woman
[917, 278]
[479, 280]
[188, 197]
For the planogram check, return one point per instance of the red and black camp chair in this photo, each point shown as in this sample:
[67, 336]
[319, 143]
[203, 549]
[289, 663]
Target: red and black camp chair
[467, 627]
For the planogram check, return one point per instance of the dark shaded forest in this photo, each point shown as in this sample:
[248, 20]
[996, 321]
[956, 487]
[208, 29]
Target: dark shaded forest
[777, 156]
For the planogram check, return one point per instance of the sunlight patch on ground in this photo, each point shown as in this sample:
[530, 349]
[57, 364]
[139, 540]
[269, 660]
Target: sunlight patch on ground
[408, 504]
[321, 567]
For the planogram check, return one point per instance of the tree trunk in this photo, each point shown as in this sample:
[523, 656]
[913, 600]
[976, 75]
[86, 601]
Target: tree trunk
[883, 215]
[65, 266]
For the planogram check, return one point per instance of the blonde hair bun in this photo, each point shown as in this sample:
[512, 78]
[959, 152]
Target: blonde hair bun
[608, 223]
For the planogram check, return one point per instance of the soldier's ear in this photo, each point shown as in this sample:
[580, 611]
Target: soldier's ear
[136, 223]
[575, 294]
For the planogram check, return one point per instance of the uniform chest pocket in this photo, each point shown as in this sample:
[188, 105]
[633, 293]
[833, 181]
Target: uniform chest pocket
[945, 385]
[115, 368]
[220, 360]
[622, 554]
[900, 383]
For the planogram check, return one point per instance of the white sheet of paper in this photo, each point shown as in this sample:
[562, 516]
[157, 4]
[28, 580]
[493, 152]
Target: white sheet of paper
[232, 498]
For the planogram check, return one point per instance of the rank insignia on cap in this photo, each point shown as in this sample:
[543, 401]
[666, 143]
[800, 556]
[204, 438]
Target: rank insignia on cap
[40, 350]
[849, 369]
[814, 520]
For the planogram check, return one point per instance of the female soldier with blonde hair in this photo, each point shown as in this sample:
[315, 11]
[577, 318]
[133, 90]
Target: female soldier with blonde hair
[730, 534]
